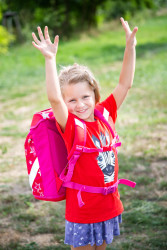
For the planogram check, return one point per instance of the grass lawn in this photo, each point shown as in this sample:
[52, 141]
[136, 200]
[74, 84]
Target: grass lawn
[26, 223]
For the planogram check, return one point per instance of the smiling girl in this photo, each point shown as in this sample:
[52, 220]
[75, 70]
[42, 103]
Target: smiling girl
[75, 94]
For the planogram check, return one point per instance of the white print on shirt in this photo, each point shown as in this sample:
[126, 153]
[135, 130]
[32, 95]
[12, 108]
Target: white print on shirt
[105, 160]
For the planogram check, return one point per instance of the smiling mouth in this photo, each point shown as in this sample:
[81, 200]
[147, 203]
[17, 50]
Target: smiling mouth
[82, 111]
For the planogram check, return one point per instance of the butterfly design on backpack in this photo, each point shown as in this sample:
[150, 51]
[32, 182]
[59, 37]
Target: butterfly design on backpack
[105, 160]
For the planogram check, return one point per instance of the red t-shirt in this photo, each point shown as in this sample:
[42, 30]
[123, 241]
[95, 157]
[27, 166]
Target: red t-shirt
[95, 169]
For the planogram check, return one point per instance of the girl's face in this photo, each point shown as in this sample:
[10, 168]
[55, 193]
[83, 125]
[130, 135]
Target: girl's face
[80, 100]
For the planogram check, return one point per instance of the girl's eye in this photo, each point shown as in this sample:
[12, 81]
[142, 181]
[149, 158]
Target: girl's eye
[86, 96]
[72, 100]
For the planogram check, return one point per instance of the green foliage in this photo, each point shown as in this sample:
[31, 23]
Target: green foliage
[71, 16]
[141, 125]
[54, 18]
[5, 40]
[126, 8]
[5, 37]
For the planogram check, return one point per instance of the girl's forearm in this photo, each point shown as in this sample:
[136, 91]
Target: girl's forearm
[52, 81]
[128, 67]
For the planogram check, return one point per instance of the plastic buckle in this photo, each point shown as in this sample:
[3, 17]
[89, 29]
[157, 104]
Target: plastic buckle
[113, 189]
[108, 190]
[79, 148]
[105, 191]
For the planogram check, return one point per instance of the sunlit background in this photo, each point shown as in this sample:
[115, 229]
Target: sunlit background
[91, 34]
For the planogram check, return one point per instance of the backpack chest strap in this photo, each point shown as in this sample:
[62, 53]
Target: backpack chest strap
[79, 147]
[97, 190]
[67, 173]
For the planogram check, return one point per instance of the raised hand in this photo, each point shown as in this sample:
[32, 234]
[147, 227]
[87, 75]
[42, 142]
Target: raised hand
[47, 48]
[130, 35]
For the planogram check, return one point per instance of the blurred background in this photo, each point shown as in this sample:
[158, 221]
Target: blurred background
[91, 34]
[68, 17]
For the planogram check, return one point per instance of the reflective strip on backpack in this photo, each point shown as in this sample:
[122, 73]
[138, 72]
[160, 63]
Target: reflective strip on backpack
[79, 123]
[106, 114]
[33, 172]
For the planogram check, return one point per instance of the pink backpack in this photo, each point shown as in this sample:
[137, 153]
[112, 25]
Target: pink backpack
[50, 168]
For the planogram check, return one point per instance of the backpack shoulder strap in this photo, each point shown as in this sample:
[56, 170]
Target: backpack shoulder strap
[104, 117]
[78, 144]
[115, 141]
[79, 138]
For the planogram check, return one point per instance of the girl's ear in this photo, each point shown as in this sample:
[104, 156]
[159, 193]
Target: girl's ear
[96, 141]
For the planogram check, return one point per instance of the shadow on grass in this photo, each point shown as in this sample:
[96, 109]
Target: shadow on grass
[151, 47]
[22, 79]
[97, 55]
[144, 219]
[111, 53]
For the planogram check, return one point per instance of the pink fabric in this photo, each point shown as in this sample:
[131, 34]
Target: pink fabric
[76, 154]
[98, 114]
[79, 147]
[42, 143]
[102, 190]
[45, 136]
[71, 165]
[127, 182]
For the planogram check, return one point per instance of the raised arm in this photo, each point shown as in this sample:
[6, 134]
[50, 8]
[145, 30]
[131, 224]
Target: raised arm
[128, 66]
[49, 50]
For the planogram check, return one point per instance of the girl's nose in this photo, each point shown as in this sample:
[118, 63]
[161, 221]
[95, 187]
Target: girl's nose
[80, 104]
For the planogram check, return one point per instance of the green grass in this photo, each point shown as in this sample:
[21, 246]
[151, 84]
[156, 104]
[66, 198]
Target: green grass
[141, 124]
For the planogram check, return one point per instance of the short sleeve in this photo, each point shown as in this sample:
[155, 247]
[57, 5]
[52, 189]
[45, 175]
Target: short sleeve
[110, 104]
[68, 135]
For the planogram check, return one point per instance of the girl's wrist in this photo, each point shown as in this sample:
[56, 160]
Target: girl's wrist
[50, 58]
[130, 47]
[131, 44]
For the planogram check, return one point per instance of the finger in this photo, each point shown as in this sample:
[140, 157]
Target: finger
[121, 18]
[124, 23]
[134, 31]
[40, 33]
[46, 33]
[35, 38]
[127, 24]
[133, 34]
[35, 45]
[56, 41]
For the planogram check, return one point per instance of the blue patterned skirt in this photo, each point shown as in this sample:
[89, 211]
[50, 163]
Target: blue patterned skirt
[79, 234]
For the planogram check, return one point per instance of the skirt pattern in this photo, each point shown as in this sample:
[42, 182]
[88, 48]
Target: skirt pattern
[80, 234]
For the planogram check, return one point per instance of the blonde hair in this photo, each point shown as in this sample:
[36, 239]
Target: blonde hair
[73, 74]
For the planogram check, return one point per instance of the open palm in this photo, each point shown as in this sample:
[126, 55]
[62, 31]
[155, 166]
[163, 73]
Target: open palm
[130, 35]
[47, 48]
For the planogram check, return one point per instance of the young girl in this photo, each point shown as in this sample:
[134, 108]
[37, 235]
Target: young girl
[75, 94]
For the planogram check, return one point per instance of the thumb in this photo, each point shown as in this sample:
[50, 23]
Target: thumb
[133, 34]
[134, 31]
[56, 40]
